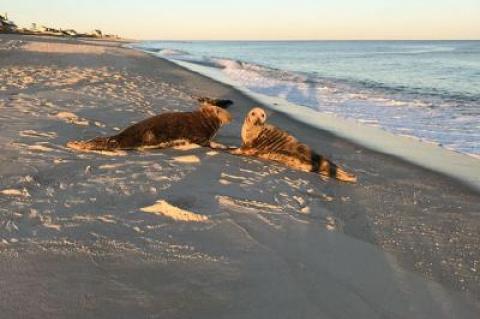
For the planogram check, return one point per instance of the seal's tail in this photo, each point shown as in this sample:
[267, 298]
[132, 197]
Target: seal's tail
[326, 168]
[97, 144]
[344, 176]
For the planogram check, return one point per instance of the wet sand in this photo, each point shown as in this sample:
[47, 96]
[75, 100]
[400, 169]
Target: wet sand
[200, 233]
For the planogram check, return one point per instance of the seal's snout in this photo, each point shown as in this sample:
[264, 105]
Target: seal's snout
[257, 116]
[228, 117]
[224, 116]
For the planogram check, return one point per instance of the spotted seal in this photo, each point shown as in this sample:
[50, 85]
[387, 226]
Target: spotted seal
[268, 142]
[166, 130]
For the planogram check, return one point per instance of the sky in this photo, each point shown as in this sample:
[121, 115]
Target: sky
[257, 19]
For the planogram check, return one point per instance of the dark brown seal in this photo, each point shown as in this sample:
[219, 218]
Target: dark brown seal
[166, 130]
[269, 142]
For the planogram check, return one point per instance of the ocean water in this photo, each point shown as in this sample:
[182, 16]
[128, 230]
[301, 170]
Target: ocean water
[429, 90]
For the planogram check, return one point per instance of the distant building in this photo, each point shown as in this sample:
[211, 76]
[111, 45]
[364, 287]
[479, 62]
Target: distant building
[48, 30]
[111, 36]
[97, 33]
[7, 25]
[70, 32]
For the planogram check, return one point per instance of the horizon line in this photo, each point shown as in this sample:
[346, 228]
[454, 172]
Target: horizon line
[297, 40]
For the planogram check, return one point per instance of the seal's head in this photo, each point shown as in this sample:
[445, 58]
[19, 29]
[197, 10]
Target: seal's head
[256, 116]
[214, 111]
[253, 125]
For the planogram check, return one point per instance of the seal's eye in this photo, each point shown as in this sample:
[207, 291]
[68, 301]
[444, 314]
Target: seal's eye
[263, 115]
[112, 143]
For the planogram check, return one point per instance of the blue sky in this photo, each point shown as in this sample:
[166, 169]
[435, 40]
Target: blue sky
[257, 19]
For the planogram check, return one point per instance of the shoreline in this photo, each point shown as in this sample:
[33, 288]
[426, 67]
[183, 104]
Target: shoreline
[441, 116]
[256, 239]
[463, 168]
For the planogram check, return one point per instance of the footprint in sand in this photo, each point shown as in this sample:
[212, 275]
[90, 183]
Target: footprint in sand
[111, 166]
[232, 202]
[212, 153]
[224, 181]
[72, 118]
[261, 210]
[15, 192]
[107, 219]
[333, 224]
[37, 134]
[229, 178]
[190, 159]
[39, 148]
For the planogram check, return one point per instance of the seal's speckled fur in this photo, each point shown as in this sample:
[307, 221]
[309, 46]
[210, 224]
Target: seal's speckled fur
[269, 142]
[166, 130]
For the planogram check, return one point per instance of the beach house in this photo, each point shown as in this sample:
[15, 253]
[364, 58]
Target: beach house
[7, 25]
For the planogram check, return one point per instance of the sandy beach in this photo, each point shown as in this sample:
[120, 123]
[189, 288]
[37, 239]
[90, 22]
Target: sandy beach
[198, 233]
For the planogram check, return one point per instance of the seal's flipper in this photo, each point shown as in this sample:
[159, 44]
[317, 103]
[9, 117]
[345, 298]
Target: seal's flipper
[326, 168]
[245, 151]
[224, 104]
[345, 176]
[215, 146]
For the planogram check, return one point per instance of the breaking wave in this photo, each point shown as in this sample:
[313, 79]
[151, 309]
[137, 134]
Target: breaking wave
[430, 115]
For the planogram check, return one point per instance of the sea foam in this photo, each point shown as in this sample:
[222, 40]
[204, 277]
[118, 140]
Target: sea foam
[448, 119]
